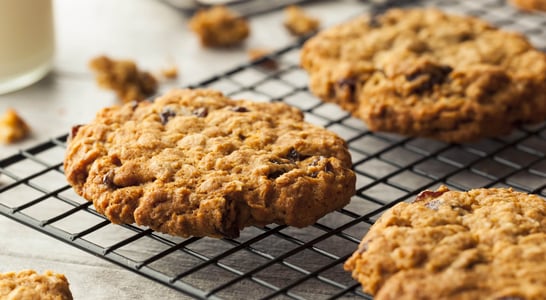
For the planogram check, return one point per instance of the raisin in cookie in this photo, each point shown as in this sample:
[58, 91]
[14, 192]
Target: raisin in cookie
[29, 285]
[195, 163]
[421, 72]
[480, 244]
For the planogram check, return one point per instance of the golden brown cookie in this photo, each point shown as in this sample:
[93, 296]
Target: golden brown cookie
[480, 244]
[218, 26]
[28, 285]
[421, 72]
[195, 163]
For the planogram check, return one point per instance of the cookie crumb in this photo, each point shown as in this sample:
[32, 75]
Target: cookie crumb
[299, 23]
[170, 73]
[123, 77]
[218, 26]
[530, 5]
[12, 127]
[28, 284]
[267, 63]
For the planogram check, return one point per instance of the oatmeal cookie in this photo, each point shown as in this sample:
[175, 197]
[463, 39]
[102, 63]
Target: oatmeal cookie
[421, 72]
[218, 26]
[195, 163]
[480, 244]
[124, 77]
[29, 285]
[530, 4]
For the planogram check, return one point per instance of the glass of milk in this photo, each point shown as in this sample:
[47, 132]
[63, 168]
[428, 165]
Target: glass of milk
[26, 42]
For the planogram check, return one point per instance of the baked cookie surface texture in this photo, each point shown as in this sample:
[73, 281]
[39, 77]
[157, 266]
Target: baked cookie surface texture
[421, 72]
[29, 285]
[480, 244]
[195, 163]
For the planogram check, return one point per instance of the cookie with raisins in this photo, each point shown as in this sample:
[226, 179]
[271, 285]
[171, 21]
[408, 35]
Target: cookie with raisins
[487, 243]
[422, 72]
[195, 163]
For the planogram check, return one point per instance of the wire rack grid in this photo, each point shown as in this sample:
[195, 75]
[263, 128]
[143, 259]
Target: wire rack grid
[278, 261]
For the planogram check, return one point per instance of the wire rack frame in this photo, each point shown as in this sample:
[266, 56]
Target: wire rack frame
[245, 8]
[277, 261]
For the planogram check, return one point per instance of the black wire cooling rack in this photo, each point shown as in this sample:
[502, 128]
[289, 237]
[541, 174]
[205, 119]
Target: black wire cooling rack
[280, 261]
